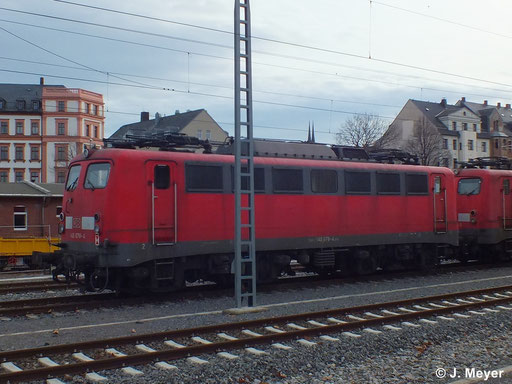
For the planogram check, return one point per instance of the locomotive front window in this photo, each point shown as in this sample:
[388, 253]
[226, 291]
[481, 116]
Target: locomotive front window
[469, 186]
[73, 175]
[97, 176]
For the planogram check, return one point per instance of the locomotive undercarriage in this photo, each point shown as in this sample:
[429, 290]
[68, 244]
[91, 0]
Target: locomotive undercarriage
[168, 274]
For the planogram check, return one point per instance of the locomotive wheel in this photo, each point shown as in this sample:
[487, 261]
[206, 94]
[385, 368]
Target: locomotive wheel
[365, 263]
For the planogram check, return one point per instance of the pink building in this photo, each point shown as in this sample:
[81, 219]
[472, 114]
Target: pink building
[42, 127]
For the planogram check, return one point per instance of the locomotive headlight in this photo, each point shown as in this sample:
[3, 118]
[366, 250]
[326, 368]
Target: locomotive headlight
[61, 228]
[97, 229]
[61, 216]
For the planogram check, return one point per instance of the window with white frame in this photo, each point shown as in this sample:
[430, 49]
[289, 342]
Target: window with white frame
[20, 218]
[19, 176]
[34, 176]
[34, 127]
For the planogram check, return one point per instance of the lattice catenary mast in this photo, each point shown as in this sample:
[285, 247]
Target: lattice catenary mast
[245, 241]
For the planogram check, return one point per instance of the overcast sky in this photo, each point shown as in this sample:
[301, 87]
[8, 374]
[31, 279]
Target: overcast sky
[423, 50]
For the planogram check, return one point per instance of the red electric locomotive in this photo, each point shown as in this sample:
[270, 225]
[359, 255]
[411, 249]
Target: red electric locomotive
[155, 219]
[484, 208]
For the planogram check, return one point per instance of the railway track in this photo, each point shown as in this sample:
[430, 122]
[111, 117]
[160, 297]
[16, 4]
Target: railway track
[29, 307]
[218, 341]
[22, 286]
[32, 286]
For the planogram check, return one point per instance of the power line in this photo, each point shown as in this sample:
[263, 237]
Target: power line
[194, 93]
[443, 20]
[297, 45]
[207, 85]
[60, 56]
[282, 66]
[114, 27]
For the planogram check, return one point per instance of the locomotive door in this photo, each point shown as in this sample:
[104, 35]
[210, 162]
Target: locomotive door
[440, 209]
[162, 194]
[507, 204]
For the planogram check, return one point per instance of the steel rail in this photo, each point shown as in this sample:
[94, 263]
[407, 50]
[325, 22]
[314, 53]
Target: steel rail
[111, 363]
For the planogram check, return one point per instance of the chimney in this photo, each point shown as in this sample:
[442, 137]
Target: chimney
[485, 103]
[41, 81]
[144, 116]
[177, 112]
[443, 102]
[498, 105]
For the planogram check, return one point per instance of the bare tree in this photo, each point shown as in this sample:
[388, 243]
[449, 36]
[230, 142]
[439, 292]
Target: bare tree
[427, 144]
[390, 139]
[363, 130]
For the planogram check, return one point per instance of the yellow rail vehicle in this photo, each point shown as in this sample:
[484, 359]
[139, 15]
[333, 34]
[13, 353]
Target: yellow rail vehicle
[16, 252]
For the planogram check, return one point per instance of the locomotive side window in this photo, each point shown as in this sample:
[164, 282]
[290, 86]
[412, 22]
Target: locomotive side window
[97, 176]
[469, 186]
[357, 183]
[287, 180]
[388, 183]
[162, 177]
[201, 178]
[324, 181]
[73, 175]
[259, 179]
[416, 184]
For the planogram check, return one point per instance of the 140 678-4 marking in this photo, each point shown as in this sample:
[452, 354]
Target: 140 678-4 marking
[77, 236]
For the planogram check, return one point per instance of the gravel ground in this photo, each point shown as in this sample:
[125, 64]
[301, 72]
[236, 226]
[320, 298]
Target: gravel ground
[407, 356]
[411, 355]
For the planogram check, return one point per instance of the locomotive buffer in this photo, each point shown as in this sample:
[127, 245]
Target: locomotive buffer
[245, 240]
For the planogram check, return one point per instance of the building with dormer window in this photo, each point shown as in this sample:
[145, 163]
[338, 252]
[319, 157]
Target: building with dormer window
[466, 130]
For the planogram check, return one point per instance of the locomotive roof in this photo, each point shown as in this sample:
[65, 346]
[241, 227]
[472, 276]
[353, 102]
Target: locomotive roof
[130, 155]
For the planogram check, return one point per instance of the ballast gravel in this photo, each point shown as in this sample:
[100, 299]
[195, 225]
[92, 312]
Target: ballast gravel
[409, 355]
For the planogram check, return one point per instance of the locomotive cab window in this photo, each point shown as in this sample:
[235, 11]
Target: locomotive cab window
[162, 177]
[73, 175]
[469, 186]
[97, 176]
[204, 178]
[324, 181]
[357, 183]
[388, 183]
[287, 180]
[416, 184]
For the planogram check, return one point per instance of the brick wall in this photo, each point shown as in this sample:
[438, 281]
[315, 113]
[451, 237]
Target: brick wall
[35, 208]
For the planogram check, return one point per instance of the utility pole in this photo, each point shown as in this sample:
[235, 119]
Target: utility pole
[245, 240]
